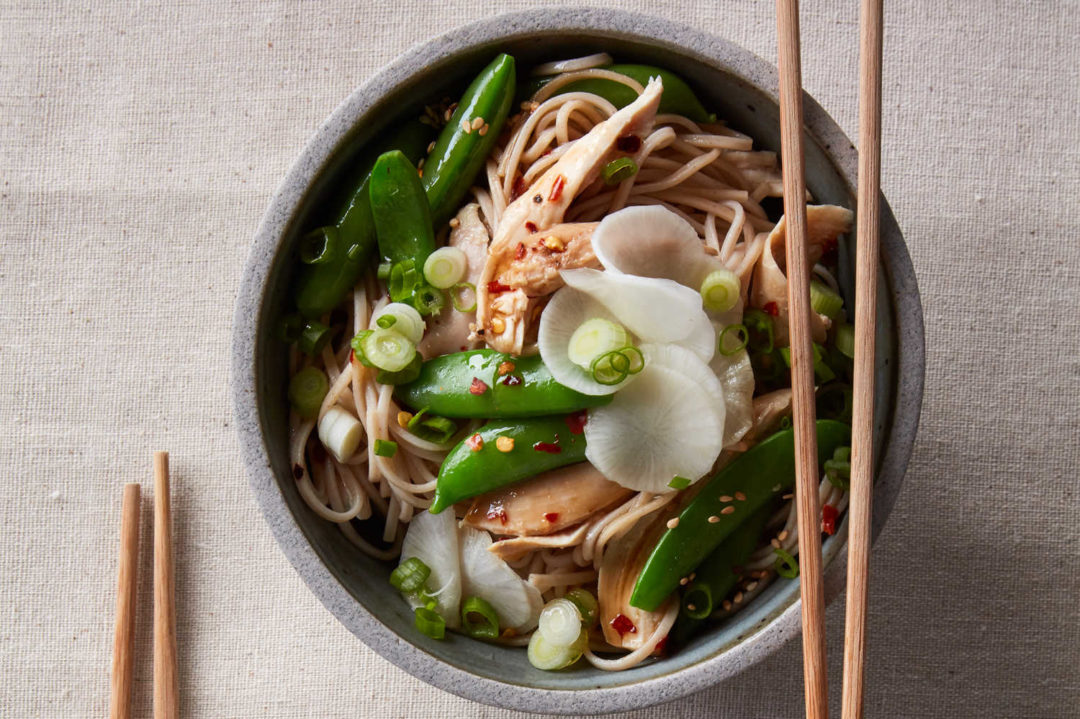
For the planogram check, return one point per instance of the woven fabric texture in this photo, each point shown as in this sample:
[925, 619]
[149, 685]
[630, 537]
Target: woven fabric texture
[140, 142]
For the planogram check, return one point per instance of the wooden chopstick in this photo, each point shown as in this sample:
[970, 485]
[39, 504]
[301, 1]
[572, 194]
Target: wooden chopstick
[808, 510]
[166, 686]
[862, 415]
[123, 663]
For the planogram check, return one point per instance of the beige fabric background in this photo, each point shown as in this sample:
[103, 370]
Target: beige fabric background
[139, 144]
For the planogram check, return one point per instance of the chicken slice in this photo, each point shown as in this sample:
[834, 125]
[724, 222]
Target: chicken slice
[537, 212]
[768, 290]
[624, 625]
[547, 503]
[510, 550]
[449, 331]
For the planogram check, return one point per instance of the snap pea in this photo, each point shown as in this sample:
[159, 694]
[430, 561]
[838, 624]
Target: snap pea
[400, 210]
[716, 576]
[320, 287]
[481, 463]
[678, 98]
[509, 387]
[760, 474]
[462, 149]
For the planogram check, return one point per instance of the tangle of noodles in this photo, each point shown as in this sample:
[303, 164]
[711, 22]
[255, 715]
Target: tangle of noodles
[709, 175]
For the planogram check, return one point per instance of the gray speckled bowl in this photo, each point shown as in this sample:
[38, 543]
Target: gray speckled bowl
[741, 88]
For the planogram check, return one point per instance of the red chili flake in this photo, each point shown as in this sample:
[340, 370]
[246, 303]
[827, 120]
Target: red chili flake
[576, 421]
[623, 625]
[475, 443]
[628, 143]
[829, 514]
[496, 511]
[547, 447]
[661, 646]
[551, 517]
[495, 287]
[772, 309]
[557, 188]
[511, 380]
[297, 472]
[478, 387]
[531, 226]
[352, 356]
[519, 253]
[519, 188]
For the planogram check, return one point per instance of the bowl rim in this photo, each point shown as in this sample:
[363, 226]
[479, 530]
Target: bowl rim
[713, 51]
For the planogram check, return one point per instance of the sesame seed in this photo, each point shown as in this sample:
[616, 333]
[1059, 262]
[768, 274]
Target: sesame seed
[684, 581]
[477, 123]
[776, 543]
[455, 222]
[726, 605]
[691, 607]
[789, 495]
[783, 535]
[740, 496]
[420, 165]
[431, 146]
[738, 598]
[504, 444]
[484, 129]
[673, 522]
[692, 576]
[403, 418]
[725, 498]
[713, 519]
[466, 126]
[776, 488]
[751, 586]
[446, 115]
[727, 510]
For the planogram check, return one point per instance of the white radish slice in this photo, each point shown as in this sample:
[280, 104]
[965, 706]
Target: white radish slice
[687, 364]
[736, 377]
[662, 426]
[654, 310]
[652, 241]
[484, 575]
[564, 314]
[587, 62]
[433, 539]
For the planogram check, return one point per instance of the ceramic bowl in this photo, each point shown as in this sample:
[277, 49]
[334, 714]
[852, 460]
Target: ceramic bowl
[741, 88]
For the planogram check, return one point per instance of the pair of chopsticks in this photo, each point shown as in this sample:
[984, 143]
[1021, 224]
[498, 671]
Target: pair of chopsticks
[166, 686]
[802, 373]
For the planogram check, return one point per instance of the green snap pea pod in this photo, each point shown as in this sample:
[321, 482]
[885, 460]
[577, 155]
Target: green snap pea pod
[760, 474]
[486, 383]
[400, 210]
[716, 576]
[678, 98]
[462, 148]
[481, 462]
[321, 287]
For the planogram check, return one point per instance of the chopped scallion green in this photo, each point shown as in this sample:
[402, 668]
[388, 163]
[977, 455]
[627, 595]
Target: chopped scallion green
[720, 290]
[410, 575]
[385, 447]
[313, 338]
[445, 267]
[786, 565]
[698, 601]
[458, 302]
[838, 469]
[430, 623]
[845, 340]
[388, 349]
[386, 321]
[319, 245]
[679, 483]
[737, 334]
[307, 389]
[824, 300]
[478, 619]
[618, 170]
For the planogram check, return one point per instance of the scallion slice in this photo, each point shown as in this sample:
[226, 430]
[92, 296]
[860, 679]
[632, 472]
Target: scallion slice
[290, 327]
[618, 170]
[698, 601]
[313, 338]
[430, 623]
[610, 368]
[319, 245]
[824, 300]
[560, 622]
[445, 267]
[382, 272]
[403, 281]
[720, 290]
[732, 339]
[307, 390]
[478, 618]
[403, 318]
[845, 340]
[635, 358]
[388, 350]
[838, 469]
[586, 603]
[428, 300]
[403, 376]
[594, 338]
[410, 575]
[786, 565]
[455, 296]
[760, 328]
[549, 657]
[679, 483]
[385, 447]
[822, 372]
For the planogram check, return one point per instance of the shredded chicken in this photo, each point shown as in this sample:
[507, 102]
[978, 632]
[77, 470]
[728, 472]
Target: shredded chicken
[824, 223]
[619, 570]
[547, 503]
[449, 331]
[524, 267]
[512, 549]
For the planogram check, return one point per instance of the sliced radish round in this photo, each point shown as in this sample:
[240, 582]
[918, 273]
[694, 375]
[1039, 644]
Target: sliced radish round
[663, 425]
[433, 539]
[484, 575]
[736, 377]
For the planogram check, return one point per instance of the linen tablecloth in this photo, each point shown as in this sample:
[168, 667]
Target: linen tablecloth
[139, 144]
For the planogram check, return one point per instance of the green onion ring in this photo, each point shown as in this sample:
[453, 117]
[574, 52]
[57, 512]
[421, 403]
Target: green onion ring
[738, 330]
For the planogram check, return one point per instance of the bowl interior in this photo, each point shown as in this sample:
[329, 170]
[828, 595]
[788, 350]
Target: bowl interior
[722, 89]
